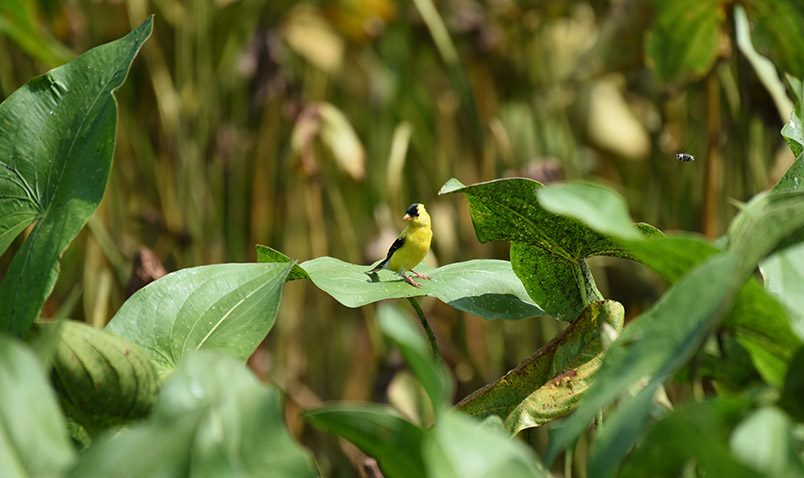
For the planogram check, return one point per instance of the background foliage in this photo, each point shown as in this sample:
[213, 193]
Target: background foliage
[310, 126]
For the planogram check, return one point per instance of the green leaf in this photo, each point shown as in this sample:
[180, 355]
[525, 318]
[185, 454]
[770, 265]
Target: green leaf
[777, 27]
[549, 383]
[458, 446]
[243, 431]
[427, 369]
[57, 136]
[33, 435]
[224, 307]
[153, 448]
[597, 206]
[757, 320]
[682, 44]
[549, 251]
[762, 326]
[486, 288]
[213, 418]
[561, 288]
[793, 133]
[393, 441]
[622, 429]
[784, 274]
[793, 390]
[770, 221]
[656, 344]
[676, 440]
[18, 21]
[268, 254]
[764, 442]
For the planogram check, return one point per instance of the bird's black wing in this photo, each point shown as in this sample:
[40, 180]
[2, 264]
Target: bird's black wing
[399, 242]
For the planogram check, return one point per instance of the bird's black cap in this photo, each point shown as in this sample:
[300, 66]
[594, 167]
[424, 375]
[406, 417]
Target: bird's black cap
[413, 210]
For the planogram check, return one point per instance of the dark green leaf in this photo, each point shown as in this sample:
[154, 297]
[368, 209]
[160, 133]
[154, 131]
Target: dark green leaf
[794, 387]
[677, 439]
[757, 319]
[549, 383]
[57, 136]
[33, 435]
[657, 343]
[561, 288]
[486, 288]
[427, 369]
[777, 26]
[548, 245]
[224, 307]
[622, 429]
[394, 442]
[682, 44]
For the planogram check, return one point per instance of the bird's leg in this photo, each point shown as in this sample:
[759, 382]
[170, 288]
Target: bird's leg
[410, 281]
[420, 276]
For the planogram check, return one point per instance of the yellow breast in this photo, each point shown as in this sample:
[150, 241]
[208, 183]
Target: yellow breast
[411, 254]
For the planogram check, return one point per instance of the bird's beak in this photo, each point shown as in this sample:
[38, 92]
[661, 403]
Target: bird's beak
[406, 218]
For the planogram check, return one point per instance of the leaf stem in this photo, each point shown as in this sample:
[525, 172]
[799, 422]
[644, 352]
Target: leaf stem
[427, 329]
[568, 462]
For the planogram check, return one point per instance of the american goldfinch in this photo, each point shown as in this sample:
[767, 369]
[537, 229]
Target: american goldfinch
[411, 246]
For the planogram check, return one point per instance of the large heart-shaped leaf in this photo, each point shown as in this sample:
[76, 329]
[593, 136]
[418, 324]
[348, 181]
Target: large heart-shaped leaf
[486, 288]
[33, 435]
[57, 136]
[549, 251]
[225, 307]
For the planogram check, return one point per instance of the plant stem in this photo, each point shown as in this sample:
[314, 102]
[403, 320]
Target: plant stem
[427, 329]
[568, 462]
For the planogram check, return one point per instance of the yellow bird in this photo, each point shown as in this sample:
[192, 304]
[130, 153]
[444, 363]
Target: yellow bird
[411, 246]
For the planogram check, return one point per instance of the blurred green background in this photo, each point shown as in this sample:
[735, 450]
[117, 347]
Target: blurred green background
[311, 126]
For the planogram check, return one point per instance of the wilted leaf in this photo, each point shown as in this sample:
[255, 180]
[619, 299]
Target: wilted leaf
[549, 383]
[655, 345]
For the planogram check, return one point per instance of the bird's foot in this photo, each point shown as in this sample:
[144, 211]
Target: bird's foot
[421, 276]
[411, 281]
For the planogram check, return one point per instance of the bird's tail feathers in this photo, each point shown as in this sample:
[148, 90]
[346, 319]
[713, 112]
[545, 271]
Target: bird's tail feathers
[379, 266]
